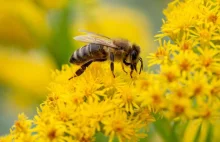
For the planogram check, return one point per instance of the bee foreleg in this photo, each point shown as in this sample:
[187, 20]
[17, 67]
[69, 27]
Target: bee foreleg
[112, 63]
[81, 70]
[132, 69]
[135, 67]
[141, 68]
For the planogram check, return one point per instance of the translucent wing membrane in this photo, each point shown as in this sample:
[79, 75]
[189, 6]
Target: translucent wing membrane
[92, 33]
[95, 38]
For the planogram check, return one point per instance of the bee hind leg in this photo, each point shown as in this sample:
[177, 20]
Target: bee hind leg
[81, 70]
[112, 63]
[84, 66]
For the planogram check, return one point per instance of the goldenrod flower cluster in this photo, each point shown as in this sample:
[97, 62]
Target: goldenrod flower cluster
[190, 60]
[186, 87]
[94, 102]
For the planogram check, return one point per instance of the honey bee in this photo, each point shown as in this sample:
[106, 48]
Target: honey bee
[101, 48]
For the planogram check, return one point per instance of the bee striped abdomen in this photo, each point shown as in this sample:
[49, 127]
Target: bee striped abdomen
[87, 53]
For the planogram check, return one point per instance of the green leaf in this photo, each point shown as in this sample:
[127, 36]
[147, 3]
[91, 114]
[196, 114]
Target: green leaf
[144, 139]
[198, 133]
[60, 44]
[100, 137]
[182, 129]
[209, 133]
[174, 130]
[163, 128]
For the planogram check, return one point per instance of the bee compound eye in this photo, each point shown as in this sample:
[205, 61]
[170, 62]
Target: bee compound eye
[133, 55]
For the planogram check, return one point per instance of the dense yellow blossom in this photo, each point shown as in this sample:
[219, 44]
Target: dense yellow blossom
[123, 126]
[161, 56]
[86, 104]
[193, 66]
[193, 57]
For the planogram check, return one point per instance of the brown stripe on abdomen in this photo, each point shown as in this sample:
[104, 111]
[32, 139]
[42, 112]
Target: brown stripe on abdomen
[87, 53]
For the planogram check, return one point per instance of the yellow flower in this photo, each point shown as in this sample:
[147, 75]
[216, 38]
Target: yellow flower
[179, 90]
[51, 131]
[21, 130]
[214, 88]
[204, 34]
[179, 107]
[176, 21]
[47, 127]
[208, 60]
[22, 125]
[161, 56]
[80, 130]
[154, 97]
[210, 13]
[120, 125]
[209, 111]
[97, 112]
[145, 115]
[185, 43]
[170, 73]
[126, 98]
[198, 84]
[145, 81]
[186, 61]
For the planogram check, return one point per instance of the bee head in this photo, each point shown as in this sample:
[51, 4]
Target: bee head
[134, 53]
[134, 56]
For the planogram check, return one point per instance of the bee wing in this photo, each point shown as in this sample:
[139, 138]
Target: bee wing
[95, 34]
[96, 38]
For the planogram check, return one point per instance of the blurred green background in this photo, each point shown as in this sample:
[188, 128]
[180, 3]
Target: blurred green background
[36, 38]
